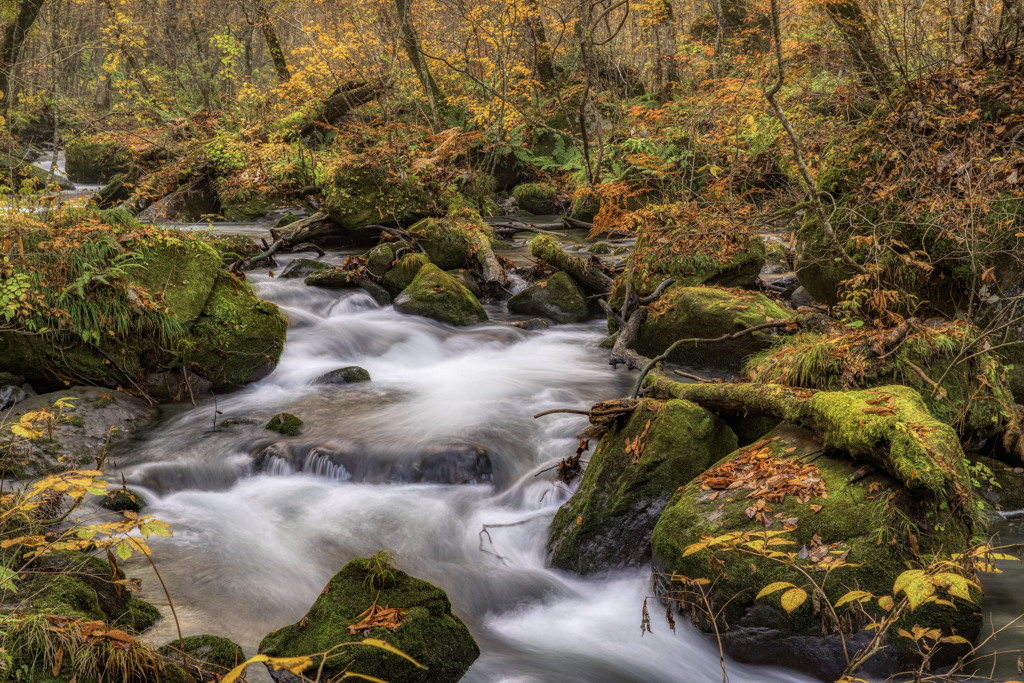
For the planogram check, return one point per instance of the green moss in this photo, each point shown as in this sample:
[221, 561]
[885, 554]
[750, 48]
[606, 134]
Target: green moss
[404, 272]
[379, 259]
[212, 653]
[870, 515]
[238, 338]
[453, 241]
[430, 632]
[123, 499]
[1000, 484]
[436, 294]
[352, 374]
[181, 273]
[558, 298]
[707, 313]
[362, 193]
[285, 423]
[302, 267]
[537, 198]
[96, 158]
[608, 521]
[244, 211]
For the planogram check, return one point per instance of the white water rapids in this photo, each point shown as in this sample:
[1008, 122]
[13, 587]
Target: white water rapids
[251, 552]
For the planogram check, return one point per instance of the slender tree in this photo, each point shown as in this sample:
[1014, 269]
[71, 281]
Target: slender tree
[266, 25]
[542, 49]
[14, 38]
[411, 42]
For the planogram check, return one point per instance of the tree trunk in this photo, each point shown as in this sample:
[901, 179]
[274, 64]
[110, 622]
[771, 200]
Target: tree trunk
[14, 39]
[273, 44]
[854, 27]
[542, 49]
[411, 42]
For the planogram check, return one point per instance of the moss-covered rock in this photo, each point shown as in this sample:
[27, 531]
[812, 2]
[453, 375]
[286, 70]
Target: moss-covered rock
[708, 313]
[362, 193]
[96, 158]
[341, 277]
[213, 654]
[403, 272]
[1000, 484]
[244, 210]
[453, 241]
[974, 397]
[428, 631]
[694, 249]
[633, 472]
[353, 374]
[558, 298]
[302, 267]
[537, 198]
[436, 294]
[836, 510]
[380, 259]
[238, 338]
[284, 423]
[123, 499]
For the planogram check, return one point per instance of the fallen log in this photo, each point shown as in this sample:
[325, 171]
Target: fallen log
[345, 99]
[590, 275]
[492, 273]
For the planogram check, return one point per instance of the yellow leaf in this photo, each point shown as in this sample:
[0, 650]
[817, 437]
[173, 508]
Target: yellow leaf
[853, 596]
[773, 588]
[886, 602]
[295, 665]
[793, 598]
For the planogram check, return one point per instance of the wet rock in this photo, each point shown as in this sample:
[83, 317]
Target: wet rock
[607, 523]
[403, 272]
[284, 423]
[601, 248]
[558, 298]
[379, 259]
[453, 464]
[13, 390]
[465, 277]
[435, 294]
[801, 297]
[846, 517]
[533, 324]
[244, 210]
[120, 500]
[285, 220]
[708, 313]
[211, 654]
[81, 429]
[349, 375]
[344, 278]
[175, 385]
[429, 631]
[301, 267]
[777, 260]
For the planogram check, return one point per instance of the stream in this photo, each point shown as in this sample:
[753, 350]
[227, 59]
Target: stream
[253, 547]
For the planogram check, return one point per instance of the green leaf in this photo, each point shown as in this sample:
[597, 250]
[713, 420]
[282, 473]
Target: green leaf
[123, 550]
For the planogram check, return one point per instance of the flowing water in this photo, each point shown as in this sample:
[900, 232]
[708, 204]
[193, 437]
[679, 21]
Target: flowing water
[251, 551]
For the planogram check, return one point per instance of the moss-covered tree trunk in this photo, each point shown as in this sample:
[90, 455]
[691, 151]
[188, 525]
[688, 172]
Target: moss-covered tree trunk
[14, 38]
[273, 43]
[542, 48]
[854, 26]
[411, 42]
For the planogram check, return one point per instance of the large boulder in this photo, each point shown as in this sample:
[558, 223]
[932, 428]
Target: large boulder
[558, 298]
[693, 248]
[146, 301]
[537, 198]
[436, 294]
[878, 488]
[403, 272]
[96, 158]
[453, 241]
[424, 627]
[632, 474]
[362, 192]
[708, 313]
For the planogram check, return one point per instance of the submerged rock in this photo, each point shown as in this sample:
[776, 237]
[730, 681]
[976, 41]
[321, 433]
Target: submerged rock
[425, 628]
[301, 267]
[120, 500]
[633, 472]
[436, 294]
[558, 298]
[284, 423]
[352, 374]
[348, 278]
[708, 313]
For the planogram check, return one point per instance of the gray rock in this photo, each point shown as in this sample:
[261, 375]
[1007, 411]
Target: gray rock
[352, 374]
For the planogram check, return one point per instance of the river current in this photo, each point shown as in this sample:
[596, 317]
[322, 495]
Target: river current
[252, 551]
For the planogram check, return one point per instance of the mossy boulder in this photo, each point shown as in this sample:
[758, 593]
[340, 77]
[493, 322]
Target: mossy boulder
[96, 158]
[244, 210]
[403, 272]
[974, 399]
[353, 374]
[75, 584]
[834, 508]
[380, 259]
[633, 472]
[238, 338]
[341, 277]
[428, 631]
[537, 198]
[558, 298]
[708, 313]
[120, 500]
[213, 654]
[1000, 484]
[453, 241]
[436, 294]
[694, 249]
[362, 193]
[302, 267]
[284, 423]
